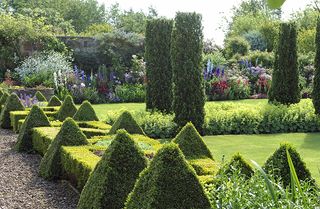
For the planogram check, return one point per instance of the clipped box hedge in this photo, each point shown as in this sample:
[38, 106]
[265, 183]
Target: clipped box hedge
[42, 138]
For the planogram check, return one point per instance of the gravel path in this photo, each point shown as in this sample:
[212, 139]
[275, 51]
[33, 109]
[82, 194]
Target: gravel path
[20, 185]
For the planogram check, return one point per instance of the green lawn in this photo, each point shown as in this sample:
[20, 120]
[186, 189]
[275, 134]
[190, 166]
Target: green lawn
[260, 147]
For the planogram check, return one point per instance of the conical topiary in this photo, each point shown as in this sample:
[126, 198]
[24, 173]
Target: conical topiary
[40, 97]
[85, 113]
[168, 182]
[191, 143]
[54, 102]
[3, 99]
[36, 118]
[68, 109]
[69, 135]
[277, 164]
[237, 164]
[115, 175]
[127, 122]
[13, 103]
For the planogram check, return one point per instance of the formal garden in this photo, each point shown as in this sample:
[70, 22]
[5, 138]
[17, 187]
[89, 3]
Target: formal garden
[147, 114]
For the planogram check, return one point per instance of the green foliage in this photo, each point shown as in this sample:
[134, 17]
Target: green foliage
[131, 92]
[277, 165]
[1, 93]
[36, 118]
[127, 122]
[236, 45]
[191, 143]
[86, 113]
[316, 79]
[69, 135]
[40, 97]
[12, 104]
[265, 59]
[256, 40]
[305, 41]
[168, 182]
[238, 165]
[54, 101]
[97, 28]
[216, 58]
[68, 109]
[115, 174]
[186, 58]
[42, 137]
[285, 77]
[158, 64]
[3, 99]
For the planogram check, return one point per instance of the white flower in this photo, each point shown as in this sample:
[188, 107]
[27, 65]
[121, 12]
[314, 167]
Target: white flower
[83, 85]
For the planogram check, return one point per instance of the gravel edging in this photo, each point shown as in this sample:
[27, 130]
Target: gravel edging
[20, 185]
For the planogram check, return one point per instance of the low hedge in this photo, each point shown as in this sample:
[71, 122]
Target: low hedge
[42, 138]
[234, 118]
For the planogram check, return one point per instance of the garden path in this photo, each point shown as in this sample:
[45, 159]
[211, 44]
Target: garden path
[20, 185]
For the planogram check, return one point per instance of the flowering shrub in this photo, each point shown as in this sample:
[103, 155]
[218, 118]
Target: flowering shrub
[39, 68]
[29, 101]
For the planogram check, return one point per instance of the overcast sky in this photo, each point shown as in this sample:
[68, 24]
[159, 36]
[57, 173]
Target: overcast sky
[213, 11]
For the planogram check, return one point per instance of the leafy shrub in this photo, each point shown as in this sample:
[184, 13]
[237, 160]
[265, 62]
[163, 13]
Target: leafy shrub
[131, 92]
[68, 109]
[191, 143]
[186, 58]
[277, 165]
[158, 64]
[265, 59]
[54, 101]
[316, 81]
[12, 104]
[40, 68]
[81, 94]
[236, 45]
[127, 122]
[256, 40]
[40, 97]
[216, 58]
[69, 135]
[168, 182]
[285, 77]
[115, 175]
[237, 165]
[85, 113]
[35, 118]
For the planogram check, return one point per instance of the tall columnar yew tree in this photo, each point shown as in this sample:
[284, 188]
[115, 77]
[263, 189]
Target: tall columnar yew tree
[186, 56]
[158, 64]
[285, 77]
[316, 80]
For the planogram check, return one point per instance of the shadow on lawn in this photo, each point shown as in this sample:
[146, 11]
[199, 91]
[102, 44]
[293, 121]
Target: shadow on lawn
[311, 141]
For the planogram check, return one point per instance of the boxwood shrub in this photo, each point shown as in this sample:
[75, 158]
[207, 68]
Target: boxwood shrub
[54, 102]
[115, 175]
[168, 182]
[42, 137]
[86, 113]
[68, 109]
[40, 97]
[12, 104]
[3, 99]
[127, 122]
[237, 165]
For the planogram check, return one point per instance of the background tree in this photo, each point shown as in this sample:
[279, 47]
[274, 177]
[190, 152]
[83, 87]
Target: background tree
[316, 80]
[158, 64]
[186, 57]
[285, 77]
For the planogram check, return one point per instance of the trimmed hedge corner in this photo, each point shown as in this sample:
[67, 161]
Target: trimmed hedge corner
[86, 113]
[115, 174]
[127, 122]
[42, 137]
[40, 97]
[69, 135]
[54, 102]
[191, 143]
[36, 118]
[68, 109]
[168, 182]
[12, 104]
[277, 164]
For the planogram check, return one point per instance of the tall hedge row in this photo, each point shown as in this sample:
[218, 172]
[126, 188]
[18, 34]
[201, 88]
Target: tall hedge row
[186, 57]
[158, 65]
[285, 78]
[316, 80]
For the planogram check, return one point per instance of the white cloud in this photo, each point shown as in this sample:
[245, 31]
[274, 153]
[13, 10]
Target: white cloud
[213, 11]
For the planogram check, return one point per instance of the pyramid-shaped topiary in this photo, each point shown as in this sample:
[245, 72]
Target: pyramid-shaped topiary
[54, 102]
[277, 164]
[36, 118]
[68, 109]
[3, 99]
[127, 122]
[168, 182]
[69, 135]
[115, 175]
[86, 113]
[13, 103]
[237, 164]
[40, 97]
[191, 143]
